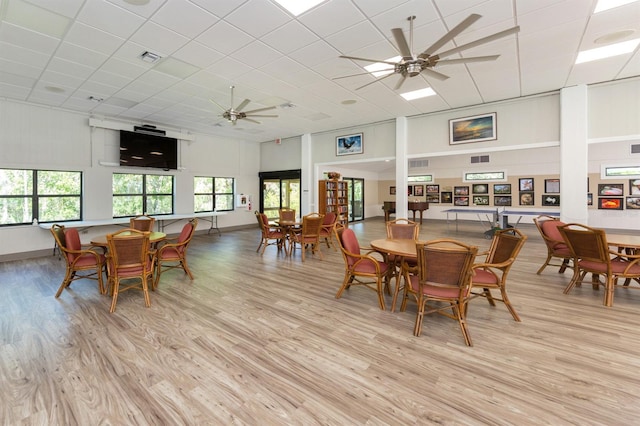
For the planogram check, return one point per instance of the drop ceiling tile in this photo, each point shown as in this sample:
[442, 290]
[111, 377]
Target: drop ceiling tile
[257, 54]
[355, 37]
[258, 17]
[14, 92]
[198, 54]
[224, 38]
[184, 18]
[11, 67]
[110, 18]
[78, 54]
[289, 37]
[158, 39]
[17, 80]
[72, 68]
[315, 53]
[124, 68]
[53, 78]
[27, 39]
[143, 10]
[93, 38]
[36, 19]
[331, 17]
[68, 8]
[220, 8]
[28, 57]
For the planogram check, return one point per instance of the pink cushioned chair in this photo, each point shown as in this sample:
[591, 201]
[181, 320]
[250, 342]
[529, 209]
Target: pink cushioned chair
[270, 234]
[172, 255]
[326, 231]
[81, 262]
[556, 246]
[360, 267]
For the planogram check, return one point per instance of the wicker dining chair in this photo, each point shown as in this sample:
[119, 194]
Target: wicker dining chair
[172, 253]
[142, 223]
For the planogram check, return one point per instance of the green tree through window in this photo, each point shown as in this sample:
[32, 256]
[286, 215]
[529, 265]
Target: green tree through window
[135, 194]
[213, 193]
[45, 195]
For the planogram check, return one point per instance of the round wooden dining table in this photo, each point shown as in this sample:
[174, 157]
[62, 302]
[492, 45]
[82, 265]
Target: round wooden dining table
[396, 246]
[624, 241]
[154, 237]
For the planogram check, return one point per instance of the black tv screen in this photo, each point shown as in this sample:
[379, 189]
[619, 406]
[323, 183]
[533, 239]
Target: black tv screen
[146, 150]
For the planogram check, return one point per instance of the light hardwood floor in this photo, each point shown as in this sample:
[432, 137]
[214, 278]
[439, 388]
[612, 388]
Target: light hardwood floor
[261, 340]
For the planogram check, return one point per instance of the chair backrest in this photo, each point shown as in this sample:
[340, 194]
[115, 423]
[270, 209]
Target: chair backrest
[263, 221]
[446, 263]
[128, 248]
[186, 235]
[329, 220]
[72, 242]
[58, 235]
[287, 214]
[586, 243]
[403, 229]
[311, 225]
[506, 244]
[348, 242]
[142, 223]
[548, 227]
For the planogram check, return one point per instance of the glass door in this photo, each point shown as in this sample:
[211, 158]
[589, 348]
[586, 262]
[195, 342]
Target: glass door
[279, 190]
[356, 198]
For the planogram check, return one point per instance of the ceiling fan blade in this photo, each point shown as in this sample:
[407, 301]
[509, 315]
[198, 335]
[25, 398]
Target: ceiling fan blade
[368, 60]
[258, 115]
[242, 105]
[259, 109]
[480, 41]
[435, 74]
[401, 42]
[468, 60]
[253, 121]
[362, 73]
[450, 35]
[218, 105]
[374, 81]
[400, 82]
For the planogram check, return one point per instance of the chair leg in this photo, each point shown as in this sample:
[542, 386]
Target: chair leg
[345, 285]
[380, 294]
[145, 290]
[65, 282]
[507, 302]
[114, 299]
[462, 320]
[608, 293]
[417, 328]
[544, 265]
[186, 268]
[574, 280]
[565, 263]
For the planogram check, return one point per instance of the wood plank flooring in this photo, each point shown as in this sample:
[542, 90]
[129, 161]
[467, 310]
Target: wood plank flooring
[261, 340]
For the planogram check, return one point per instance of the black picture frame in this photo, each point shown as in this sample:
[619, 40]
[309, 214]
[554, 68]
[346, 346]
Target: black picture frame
[480, 188]
[392, 190]
[446, 197]
[481, 200]
[610, 190]
[418, 190]
[461, 201]
[551, 200]
[501, 188]
[634, 186]
[633, 203]
[460, 190]
[552, 186]
[525, 184]
[432, 189]
[502, 200]
[610, 203]
[527, 198]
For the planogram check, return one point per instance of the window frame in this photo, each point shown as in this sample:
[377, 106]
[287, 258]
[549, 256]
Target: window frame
[215, 194]
[36, 197]
[144, 195]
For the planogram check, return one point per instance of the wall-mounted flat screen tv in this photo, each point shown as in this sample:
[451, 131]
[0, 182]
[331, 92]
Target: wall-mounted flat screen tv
[139, 149]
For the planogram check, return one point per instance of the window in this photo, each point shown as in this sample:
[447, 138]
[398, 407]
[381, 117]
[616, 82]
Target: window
[469, 177]
[621, 171]
[213, 193]
[422, 178]
[135, 194]
[45, 195]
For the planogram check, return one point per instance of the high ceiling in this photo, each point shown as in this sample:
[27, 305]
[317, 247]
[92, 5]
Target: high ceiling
[64, 53]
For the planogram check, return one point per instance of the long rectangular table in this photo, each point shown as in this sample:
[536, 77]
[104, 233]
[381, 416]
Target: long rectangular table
[504, 216]
[478, 212]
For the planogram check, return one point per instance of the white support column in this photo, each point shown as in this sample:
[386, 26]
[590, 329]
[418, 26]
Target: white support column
[307, 182]
[573, 154]
[402, 168]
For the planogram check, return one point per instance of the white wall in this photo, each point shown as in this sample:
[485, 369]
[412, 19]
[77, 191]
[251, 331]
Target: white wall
[33, 137]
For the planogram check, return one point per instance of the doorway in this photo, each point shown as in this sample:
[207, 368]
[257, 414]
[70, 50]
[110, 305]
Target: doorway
[355, 187]
[280, 189]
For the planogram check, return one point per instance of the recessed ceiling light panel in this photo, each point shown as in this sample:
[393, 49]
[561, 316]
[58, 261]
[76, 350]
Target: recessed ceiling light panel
[297, 7]
[607, 51]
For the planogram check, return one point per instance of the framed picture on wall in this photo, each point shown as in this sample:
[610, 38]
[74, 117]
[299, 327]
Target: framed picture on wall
[526, 198]
[433, 198]
[480, 188]
[478, 128]
[589, 199]
[634, 186]
[410, 190]
[460, 190]
[502, 200]
[481, 200]
[433, 189]
[552, 186]
[418, 190]
[525, 184]
[349, 144]
[502, 188]
[392, 190]
[446, 197]
[610, 203]
[611, 189]
[551, 200]
[461, 201]
[633, 203]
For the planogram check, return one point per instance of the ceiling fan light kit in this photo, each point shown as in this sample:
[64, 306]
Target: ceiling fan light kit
[412, 65]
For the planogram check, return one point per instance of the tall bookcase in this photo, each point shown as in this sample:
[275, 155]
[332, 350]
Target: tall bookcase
[333, 196]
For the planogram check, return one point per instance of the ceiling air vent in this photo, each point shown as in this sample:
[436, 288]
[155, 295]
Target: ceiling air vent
[635, 149]
[479, 159]
[415, 164]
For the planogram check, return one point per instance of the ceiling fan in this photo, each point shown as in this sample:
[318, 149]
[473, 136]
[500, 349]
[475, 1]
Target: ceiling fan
[232, 115]
[411, 65]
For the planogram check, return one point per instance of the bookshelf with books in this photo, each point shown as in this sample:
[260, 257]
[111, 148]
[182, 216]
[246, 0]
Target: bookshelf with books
[333, 196]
